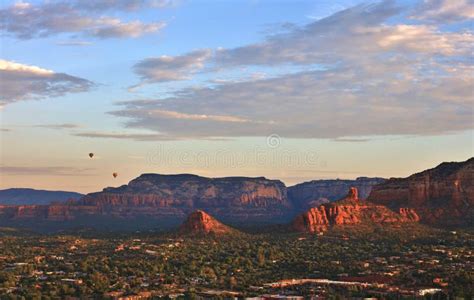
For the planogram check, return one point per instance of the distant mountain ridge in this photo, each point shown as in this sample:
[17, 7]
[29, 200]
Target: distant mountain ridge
[28, 196]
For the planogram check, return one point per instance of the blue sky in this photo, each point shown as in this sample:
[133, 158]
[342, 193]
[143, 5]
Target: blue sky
[345, 88]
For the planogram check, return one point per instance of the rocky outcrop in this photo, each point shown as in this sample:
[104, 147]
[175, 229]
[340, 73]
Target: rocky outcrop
[350, 211]
[441, 196]
[353, 194]
[314, 193]
[200, 223]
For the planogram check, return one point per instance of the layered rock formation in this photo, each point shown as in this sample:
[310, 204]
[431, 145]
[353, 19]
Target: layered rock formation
[169, 198]
[441, 196]
[314, 193]
[350, 211]
[200, 223]
[233, 199]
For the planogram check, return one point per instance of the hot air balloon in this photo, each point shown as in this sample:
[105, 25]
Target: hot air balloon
[115, 175]
[91, 155]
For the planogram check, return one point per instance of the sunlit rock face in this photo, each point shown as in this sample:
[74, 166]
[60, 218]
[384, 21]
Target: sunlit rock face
[441, 196]
[350, 211]
[231, 198]
[314, 193]
[201, 223]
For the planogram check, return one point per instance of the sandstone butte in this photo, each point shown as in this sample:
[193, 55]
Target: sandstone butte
[350, 211]
[201, 223]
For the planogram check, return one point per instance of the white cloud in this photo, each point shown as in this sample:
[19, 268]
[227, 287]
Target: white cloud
[170, 68]
[316, 42]
[73, 43]
[374, 77]
[166, 114]
[23, 82]
[10, 66]
[425, 39]
[142, 137]
[58, 126]
[125, 135]
[351, 34]
[115, 28]
[27, 21]
[445, 10]
[335, 103]
[125, 5]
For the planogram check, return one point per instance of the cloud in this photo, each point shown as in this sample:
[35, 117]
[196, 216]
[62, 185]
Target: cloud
[45, 171]
[445, 10]
[21, 82]
[115, 28]
[73, 43]
[166, 114]
[350, 36]
[423, 39]
[316, 42]
[346, 36]
[170, 68]
[123, 5]
[320, 104]
[351, 140]
[26, 21]
[362, 72]
[58, 126]
[124, 135]
[142, 137]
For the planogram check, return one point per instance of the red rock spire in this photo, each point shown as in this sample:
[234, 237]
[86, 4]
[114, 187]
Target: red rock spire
[353, 194]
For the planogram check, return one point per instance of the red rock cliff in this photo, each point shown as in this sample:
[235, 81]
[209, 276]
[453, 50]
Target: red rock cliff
[350, 211]
[164, 197]
[231, 198]
[441, 196]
